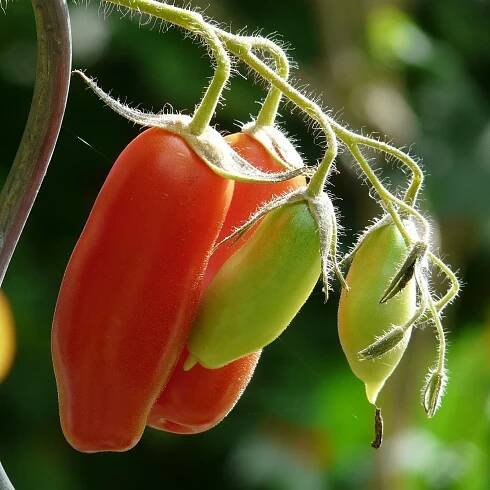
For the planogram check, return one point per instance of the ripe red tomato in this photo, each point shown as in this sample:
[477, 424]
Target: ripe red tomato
[196, 400]
[131, 288]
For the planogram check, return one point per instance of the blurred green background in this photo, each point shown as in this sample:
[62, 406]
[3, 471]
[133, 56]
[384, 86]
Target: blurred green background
[417, 71]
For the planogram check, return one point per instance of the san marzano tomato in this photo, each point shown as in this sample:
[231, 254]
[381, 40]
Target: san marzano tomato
[131, 288]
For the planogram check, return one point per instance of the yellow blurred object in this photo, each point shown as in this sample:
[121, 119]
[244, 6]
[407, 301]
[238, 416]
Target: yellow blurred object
[7, 337]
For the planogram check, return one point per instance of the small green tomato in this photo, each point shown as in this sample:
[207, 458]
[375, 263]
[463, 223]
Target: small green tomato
[362, 318]
[259, 290]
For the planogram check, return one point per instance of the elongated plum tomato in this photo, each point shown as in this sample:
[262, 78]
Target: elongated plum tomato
[196, 400]
[362, 317]
[259, 289]
[7, 337]
[131, 288]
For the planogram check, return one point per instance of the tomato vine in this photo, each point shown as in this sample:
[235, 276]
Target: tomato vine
[395, 208]
[400, 213]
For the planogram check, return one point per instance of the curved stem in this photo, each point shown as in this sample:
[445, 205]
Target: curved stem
[207, 107]
[331, 128]
[441, 357]
[268, 111]
[4, 480]
[40, 134]
[349, 137]
[417, 174]
[242, 50]
[387, 198]
[43, 123]
[270, 106]
[453, 290]
[241, 47]
[194, 22]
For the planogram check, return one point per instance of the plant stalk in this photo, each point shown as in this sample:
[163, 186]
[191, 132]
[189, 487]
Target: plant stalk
[53, 69]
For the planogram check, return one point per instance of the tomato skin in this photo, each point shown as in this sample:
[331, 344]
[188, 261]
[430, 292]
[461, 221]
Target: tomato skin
[361, 316]
[196, 400]
[259, 290]
[131, 288]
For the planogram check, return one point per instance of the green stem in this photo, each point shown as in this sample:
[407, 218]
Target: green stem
[268, 112]
[441, 359]
[441, 336]
[242, 50]
[453, 280]
[386, 197]
[417, 174]
[319, 178]
[241, 47]
[194, 22]
[330, 127]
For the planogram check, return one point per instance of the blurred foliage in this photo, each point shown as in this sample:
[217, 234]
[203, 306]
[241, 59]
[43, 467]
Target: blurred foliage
[7, 337]
[414, 70]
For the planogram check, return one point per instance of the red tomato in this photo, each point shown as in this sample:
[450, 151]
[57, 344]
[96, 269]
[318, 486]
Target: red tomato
[196, 400]
[131, 288]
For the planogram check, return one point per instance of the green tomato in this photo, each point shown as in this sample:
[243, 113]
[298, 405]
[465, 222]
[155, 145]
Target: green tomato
[259, 290]
[362, 317]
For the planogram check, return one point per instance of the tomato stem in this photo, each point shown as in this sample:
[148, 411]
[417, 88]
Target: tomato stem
[268, 111]
[207, 107]
[387, 198]
[453, 290]
[310, 108]
[432, 394]
[270, 106]
[435, 314]
[241, 47]
[194, 22]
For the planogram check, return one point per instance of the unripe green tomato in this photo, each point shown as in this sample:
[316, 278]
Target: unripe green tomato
[362, 317]
[259, 289]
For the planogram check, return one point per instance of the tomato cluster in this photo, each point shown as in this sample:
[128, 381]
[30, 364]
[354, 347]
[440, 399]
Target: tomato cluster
[181, 276]
[132, 289]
